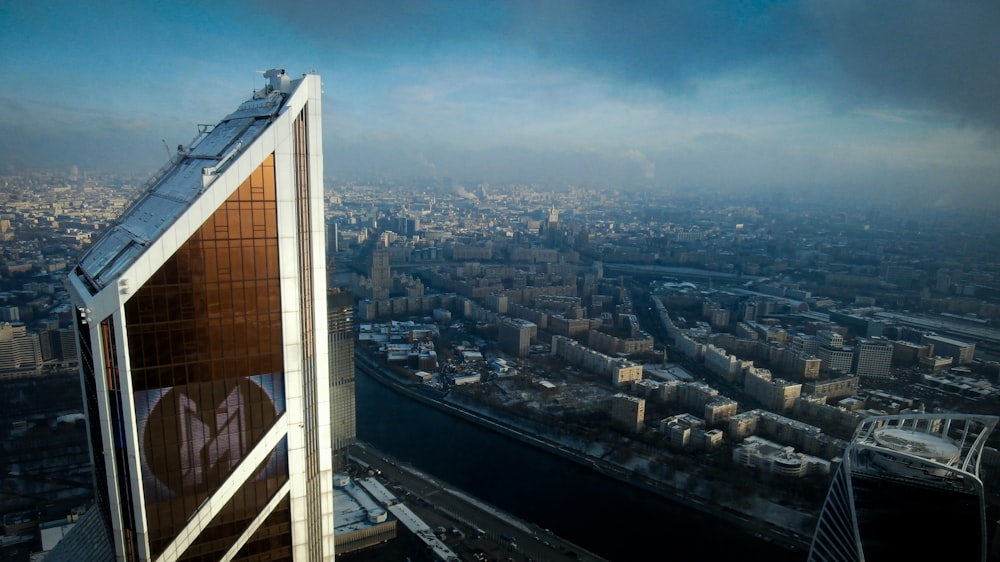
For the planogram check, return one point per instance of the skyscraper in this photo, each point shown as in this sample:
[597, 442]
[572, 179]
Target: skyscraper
[908, 485]
[342, 413]
[202, 327]
[379, 273]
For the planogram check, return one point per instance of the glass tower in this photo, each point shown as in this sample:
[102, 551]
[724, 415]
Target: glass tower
[202, 328]
[908, 485]
[343, 422]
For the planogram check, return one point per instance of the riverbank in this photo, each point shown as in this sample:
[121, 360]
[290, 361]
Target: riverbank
[471, 525]
[759, 517]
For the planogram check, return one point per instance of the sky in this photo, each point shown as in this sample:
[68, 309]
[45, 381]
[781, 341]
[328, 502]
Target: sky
[896, 97]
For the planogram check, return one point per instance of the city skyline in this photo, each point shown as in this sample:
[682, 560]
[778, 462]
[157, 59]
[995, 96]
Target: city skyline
[666, 96]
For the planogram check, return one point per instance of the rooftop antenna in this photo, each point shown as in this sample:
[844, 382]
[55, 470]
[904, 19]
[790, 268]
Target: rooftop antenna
[261, 72]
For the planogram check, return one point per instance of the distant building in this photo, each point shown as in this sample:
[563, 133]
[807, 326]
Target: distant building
[58, 346]
[497, 302]
[839, 387]
[806, 344]
[872, 358]
[961, 352]
[623, 371]
[835, 359]
[607, 343]
[677, 429]
[628, 411]
[620, 370]
[935, 364]
[719, 409]
[829, 339]
[722, 363]
[20, 350]
[743, 425]
[774, 394]
[801, 365]
[757, 452]
[560, 325]
[10, 314]
[343, 428]
[905, 353]
[379, 274]
[515, 336]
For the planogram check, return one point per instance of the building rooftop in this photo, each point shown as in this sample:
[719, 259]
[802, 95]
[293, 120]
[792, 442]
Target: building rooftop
[355, 508]
[179, 183]
[922, 444]
[88, 540]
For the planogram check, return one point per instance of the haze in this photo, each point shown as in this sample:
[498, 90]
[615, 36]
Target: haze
[846, 98]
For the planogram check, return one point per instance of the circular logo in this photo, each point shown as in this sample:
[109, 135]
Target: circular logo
[196, 434]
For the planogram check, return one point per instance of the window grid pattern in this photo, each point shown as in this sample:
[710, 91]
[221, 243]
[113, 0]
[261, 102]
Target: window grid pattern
[273, 540]
[123, 469]
[304, 212]
[240, 511]
[205, 323]
[343, 425]
[89, 378]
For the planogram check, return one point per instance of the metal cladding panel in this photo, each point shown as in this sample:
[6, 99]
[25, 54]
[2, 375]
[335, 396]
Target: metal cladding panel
[143, 222]
[176, 189]
[105, 250]
[258, 107]
[183, 184]
[223, 135]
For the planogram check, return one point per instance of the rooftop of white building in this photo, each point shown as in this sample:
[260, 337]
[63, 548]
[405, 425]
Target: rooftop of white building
[179, 184]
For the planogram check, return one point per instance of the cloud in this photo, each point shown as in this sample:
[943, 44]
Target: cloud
[661, 42]
[665, 43]
[714, 93]
[924, 54]
[423, 161]
[648, 168]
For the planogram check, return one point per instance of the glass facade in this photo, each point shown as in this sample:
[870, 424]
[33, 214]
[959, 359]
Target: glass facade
[90, 397]
[272, 541]
[205, 354]
[241, 510]
[340, 330]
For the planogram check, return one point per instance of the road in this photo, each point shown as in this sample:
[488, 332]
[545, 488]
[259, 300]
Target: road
[442, 505]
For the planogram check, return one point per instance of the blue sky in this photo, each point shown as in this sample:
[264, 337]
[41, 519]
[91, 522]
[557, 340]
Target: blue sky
[852, 95]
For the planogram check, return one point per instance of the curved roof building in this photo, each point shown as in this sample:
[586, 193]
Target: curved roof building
[907, 480]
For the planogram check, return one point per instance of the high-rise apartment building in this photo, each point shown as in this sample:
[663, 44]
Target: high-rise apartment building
[20, 350]
[872, 358]
[379, 274]
[628, 411]
[830, 339]
[515, 335]
[905, 483]
[343, 424]
[836, 360]
[202, 328]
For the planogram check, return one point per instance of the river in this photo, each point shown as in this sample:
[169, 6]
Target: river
[603, 515]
